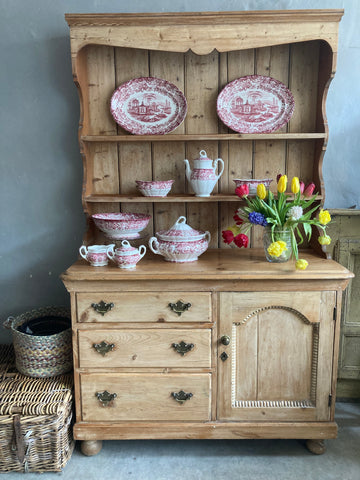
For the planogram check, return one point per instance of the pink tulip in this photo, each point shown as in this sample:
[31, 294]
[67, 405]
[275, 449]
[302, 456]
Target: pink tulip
[241, 240]
[302, 187]
[238, 220]
[309, 190]
[242, 191]
[228, 236]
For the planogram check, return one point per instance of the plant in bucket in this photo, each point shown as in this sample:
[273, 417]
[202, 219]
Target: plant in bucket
[281, 218]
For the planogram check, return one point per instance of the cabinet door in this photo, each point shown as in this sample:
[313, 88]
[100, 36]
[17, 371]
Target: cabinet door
[278, 364]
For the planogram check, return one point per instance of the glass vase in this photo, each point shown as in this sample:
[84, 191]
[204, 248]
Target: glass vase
[277, 252]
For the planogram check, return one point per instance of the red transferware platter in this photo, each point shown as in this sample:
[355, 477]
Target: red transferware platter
[255, 104]
[148, 106]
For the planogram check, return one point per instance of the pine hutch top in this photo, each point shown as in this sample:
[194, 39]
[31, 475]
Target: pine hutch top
[200, 53]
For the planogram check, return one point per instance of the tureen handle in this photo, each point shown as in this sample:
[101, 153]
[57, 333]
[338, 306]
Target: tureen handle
[154, 245]
[180, 220]
[207, 236]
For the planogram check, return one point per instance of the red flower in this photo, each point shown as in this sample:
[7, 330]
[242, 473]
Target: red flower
[238, 220]
[242, 191]
[278, 177]
[309, 190]
[302, 186]
[228, 236]
[241, 240]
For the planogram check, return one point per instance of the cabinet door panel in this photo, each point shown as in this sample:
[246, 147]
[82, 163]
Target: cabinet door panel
[279, 358]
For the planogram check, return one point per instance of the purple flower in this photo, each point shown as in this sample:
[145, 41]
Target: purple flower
[257, 218]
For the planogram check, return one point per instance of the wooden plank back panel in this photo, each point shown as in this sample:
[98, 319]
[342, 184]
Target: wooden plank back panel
[168, 158]
[134, 161]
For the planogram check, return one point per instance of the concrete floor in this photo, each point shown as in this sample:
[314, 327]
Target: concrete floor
[220, 459]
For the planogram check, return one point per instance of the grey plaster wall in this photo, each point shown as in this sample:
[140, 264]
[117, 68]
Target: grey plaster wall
[42, 221]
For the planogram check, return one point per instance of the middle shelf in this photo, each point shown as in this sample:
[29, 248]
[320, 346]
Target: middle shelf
[187, 198]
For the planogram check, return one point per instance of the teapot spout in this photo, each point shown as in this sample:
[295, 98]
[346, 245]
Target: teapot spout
[187, 169]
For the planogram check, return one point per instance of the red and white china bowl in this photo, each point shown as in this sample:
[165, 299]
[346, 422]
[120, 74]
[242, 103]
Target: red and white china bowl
[180, 243]
[126, 256]
[154, 188]
[118, 225]
[95, 254]
[252, 183]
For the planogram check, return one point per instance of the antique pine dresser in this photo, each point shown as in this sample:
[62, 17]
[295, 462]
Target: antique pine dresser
[229, 346]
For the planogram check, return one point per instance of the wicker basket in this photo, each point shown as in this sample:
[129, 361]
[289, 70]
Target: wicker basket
[45, 355]
[35, 419]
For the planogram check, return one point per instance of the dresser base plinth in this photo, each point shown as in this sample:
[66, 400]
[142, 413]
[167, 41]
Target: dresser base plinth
[212, 430]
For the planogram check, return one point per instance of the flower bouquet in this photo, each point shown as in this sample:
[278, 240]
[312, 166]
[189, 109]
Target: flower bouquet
[281, 218]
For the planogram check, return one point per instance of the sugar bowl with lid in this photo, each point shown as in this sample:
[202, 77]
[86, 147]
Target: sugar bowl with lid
[126, 256]
[180, 243]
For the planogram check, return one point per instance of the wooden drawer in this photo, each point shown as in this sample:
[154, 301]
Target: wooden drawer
[145, 397]
[144, 307]
[145, 347]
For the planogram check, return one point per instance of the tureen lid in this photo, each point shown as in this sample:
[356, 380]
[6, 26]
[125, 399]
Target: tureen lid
[126, 249]
[181, 232]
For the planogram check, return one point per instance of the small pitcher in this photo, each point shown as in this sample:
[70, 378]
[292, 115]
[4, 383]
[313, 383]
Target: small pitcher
[203, 177]
[126, 256]
[95, 254]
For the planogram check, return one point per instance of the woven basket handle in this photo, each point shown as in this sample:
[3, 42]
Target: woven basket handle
[9, 322]
[18, 438]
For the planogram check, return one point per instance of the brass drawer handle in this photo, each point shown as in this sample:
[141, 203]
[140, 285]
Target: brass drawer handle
[183, 347]
[103, 348]
[102, 307]
[181, 396]
[105, 398]
[179, 307]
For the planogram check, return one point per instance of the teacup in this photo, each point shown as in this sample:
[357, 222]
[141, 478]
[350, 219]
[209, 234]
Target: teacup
[126, 256]
[95, 254]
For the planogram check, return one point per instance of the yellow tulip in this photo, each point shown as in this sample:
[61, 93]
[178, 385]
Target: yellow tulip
[301, 264]
[282, 184]
[275, 249]
[324, 240]
[261, 191]
[324, 217]
[295, 185]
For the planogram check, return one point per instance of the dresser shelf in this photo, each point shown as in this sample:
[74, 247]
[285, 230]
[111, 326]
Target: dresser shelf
[203, 137]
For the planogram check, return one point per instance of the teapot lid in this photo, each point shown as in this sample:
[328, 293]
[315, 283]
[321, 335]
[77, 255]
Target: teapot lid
[181, 232]
[203, 155]
[126, 248]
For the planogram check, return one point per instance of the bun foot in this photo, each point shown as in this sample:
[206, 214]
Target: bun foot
[90, 447]
[316, 446]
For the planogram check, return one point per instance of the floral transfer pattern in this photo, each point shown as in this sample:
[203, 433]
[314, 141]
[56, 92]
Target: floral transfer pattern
[148, 106]
[255, 104]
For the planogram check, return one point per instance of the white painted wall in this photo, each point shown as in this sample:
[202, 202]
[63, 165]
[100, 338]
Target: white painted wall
[42, 221]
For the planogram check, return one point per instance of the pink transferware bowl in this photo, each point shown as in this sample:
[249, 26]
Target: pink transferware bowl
[153, 188]
[252, 183]
[118, 225]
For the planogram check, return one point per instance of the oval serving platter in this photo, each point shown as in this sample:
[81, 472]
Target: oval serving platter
[148, 106]
[255, 104]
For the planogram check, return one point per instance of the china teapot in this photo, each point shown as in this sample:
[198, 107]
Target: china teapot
[203, 177]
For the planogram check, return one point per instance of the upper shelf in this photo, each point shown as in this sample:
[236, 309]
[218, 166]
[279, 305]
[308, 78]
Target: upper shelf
[202, 137]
